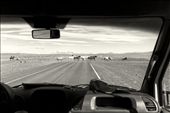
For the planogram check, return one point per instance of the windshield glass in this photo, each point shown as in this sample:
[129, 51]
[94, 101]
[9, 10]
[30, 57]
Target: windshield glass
[115, 50]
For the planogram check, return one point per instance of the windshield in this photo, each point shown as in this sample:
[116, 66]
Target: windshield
[115, 50]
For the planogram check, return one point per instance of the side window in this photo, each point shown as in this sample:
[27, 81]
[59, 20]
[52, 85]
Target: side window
[166, 88]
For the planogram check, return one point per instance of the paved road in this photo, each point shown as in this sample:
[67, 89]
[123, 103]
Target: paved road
[81, 72]
[71, 73]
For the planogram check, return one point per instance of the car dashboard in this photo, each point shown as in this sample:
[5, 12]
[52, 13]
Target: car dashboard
[45, 98]
[117, 103]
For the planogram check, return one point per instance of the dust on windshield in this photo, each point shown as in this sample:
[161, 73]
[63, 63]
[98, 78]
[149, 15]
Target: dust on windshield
[116, 51]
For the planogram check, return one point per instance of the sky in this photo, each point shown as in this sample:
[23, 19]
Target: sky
[77, 38]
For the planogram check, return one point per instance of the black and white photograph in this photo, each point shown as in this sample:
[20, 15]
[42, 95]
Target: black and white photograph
[85, 57]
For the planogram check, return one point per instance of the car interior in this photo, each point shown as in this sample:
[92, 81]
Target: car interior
[97, 96]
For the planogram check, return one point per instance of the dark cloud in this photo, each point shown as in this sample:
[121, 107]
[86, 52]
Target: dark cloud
[104, 34]
[144, 24]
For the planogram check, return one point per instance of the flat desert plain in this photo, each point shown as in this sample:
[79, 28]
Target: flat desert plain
[64, 69]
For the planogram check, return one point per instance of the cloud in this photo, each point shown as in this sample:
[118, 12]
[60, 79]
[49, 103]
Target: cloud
[78, 38]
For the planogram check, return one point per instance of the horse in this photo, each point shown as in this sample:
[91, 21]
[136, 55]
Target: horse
[107, 58]
[77, 57]
[59, 58]
[11, 58]
[125, 58]
[92, 57]
[17, 59]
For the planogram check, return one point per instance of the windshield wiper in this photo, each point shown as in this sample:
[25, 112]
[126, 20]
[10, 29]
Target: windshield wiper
[95, 86]
[103, 87]
[35, 85]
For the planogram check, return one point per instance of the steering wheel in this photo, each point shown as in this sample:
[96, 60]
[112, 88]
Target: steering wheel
[6, 99]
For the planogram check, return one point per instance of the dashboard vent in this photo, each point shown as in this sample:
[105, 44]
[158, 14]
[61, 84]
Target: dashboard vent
[150, 105]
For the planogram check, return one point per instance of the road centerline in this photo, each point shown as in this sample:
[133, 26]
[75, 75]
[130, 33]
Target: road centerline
[95, 72]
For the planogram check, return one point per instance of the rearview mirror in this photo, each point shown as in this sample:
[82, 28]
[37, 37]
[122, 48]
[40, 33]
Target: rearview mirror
[46, 34]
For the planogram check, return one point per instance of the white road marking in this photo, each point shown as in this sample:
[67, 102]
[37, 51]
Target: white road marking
[26, 76]
[95, 72]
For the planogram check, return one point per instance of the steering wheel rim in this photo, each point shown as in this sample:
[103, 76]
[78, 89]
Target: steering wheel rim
[6, 99]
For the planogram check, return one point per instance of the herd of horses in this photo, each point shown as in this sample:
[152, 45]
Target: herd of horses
[77, 58]
[12, 58]
[83, 58]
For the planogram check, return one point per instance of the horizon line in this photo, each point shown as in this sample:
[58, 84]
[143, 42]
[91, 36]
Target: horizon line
[78, 53]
